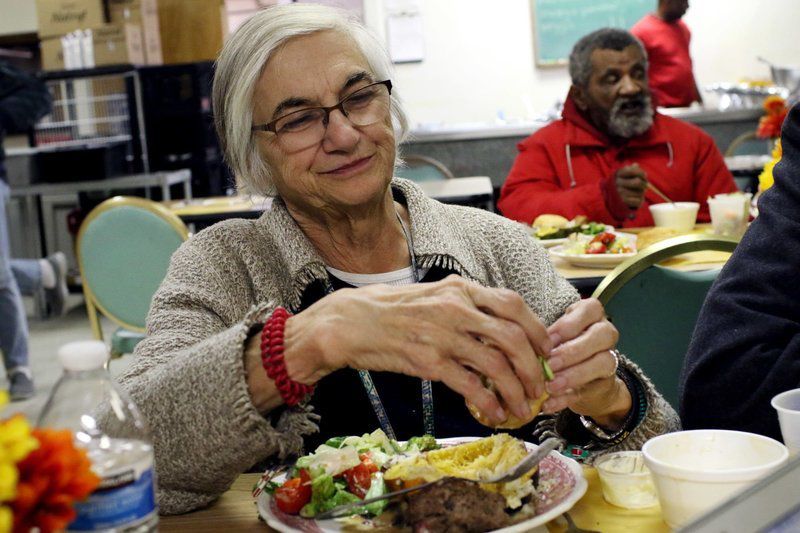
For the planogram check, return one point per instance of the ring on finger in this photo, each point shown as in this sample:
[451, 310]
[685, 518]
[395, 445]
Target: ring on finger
[616, 355]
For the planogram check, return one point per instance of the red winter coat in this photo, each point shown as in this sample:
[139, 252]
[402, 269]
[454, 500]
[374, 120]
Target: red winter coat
[567, 168]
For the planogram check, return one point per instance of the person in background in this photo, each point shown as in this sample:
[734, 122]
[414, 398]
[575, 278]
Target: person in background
[23, 101]
[396, 303]
[666, 38]
[746, 345]
[610, 142]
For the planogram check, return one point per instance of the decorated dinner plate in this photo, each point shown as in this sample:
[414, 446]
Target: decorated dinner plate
[561, 485]
[549, 243]
[591, 260]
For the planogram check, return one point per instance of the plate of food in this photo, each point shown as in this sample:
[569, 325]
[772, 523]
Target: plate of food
[350, 468]
[552, 230]
[604, 250]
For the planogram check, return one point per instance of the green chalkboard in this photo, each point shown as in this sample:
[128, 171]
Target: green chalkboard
[558, 24]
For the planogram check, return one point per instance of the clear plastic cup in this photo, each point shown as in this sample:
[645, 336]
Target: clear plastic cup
[626, 480]
[730, 213]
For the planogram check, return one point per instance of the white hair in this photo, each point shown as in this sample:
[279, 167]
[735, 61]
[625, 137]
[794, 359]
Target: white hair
[242, 60]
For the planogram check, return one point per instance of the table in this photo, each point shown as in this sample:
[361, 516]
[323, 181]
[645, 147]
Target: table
[472, 190]
[236, 511]
[587, 279]
[38, 200]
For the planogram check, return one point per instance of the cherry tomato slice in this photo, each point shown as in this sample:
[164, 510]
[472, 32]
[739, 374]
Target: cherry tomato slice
[366, 459]
[596, 248]
[358, 479]
[294, 493]
[605, 238]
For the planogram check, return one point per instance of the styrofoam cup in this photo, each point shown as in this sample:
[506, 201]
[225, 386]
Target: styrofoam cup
[695, 471]
[680, 216]
[788, 406]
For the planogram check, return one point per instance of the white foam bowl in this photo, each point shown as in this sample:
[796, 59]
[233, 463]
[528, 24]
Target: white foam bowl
[697, 470]
[680, 215]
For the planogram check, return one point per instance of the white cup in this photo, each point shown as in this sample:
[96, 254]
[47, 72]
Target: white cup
[680, 216]
[788, 406]
[730, 213]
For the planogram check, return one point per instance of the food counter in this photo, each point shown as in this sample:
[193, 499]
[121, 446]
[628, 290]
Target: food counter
[488, 149]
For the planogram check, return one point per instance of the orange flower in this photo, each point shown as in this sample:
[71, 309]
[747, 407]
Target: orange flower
[51, 479]
[769, 126]
[774, 105]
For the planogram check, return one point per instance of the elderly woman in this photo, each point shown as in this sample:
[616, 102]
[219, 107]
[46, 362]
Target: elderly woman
[397, 304]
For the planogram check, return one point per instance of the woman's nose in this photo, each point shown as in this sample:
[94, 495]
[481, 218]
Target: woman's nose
[340, 133]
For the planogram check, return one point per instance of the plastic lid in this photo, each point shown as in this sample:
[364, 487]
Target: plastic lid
[83, 355]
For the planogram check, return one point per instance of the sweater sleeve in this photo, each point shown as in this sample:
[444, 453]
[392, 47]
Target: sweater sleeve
[747, 339]
[188, 380]
[533, 187]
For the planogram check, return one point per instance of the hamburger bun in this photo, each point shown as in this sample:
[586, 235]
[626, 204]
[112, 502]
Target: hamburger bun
[512, 422]
[550, 221]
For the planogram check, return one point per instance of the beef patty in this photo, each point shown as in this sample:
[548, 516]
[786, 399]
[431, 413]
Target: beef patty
[455, 506]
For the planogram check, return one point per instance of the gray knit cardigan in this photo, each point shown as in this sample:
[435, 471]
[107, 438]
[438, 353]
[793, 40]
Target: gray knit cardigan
[188, 377]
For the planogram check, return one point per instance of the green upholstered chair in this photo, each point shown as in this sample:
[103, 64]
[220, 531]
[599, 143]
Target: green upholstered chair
[123, 249]
[423, 168]
[655, 308]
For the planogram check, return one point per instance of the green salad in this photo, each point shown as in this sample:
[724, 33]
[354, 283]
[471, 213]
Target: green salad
[344, 470]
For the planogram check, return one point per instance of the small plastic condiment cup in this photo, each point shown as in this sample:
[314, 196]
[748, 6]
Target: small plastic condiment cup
[626, 480]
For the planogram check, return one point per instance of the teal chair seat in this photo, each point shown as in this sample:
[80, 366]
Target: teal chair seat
[124, 247]
[655, 308]
[422, 168]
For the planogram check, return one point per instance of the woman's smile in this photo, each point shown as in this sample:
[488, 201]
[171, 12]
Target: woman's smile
[349, 169]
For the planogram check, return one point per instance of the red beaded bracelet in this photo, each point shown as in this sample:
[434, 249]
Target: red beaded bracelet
[272, 358]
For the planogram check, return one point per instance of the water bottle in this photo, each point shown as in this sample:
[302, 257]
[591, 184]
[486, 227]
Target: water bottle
[104, 422]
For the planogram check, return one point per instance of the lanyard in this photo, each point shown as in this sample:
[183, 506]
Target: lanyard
[427, 388]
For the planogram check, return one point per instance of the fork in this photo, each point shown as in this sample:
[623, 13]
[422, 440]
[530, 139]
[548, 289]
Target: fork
[516, 471]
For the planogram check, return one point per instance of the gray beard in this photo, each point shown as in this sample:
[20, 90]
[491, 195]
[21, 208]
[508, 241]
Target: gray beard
[626, 127]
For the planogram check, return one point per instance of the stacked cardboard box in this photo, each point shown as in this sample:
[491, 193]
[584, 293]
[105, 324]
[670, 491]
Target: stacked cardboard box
[143, 13]
[133, 23]
[59, 17]
[113, 44]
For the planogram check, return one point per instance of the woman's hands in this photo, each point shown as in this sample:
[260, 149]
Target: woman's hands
[454, 331]
[585, 369]
[449, 331]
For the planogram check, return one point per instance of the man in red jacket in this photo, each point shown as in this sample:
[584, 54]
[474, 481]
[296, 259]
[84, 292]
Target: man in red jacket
[666, 38]
[597, 160]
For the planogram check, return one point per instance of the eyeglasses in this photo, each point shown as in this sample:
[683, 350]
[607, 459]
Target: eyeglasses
[306, 127]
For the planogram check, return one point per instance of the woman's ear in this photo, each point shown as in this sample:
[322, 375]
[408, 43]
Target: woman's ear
[579, 97]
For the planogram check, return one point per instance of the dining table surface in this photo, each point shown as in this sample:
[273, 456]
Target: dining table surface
[693, 261]
[236, 511]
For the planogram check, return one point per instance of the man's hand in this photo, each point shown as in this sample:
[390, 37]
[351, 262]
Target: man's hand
[631, 181]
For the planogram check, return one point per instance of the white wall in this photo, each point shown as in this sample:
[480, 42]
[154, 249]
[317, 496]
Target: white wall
[17, 16]
[479, 54]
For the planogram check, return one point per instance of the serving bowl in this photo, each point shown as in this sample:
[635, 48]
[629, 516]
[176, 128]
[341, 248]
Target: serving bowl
[697, 470]
[678, 215]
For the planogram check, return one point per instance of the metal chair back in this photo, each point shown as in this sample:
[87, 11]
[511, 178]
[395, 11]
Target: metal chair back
[423, 168]
[655, 308]
[124, 247]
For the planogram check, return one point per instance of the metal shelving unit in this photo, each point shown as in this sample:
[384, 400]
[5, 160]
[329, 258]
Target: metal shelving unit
[95, 108]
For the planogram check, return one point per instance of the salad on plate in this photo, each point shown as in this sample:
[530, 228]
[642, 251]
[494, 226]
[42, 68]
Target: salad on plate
[605, 242]
[343, 470]
[349, 469]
